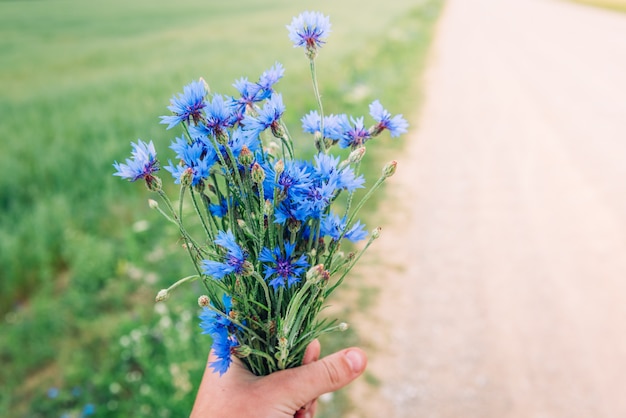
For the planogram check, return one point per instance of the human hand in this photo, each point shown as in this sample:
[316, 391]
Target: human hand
[284, 394]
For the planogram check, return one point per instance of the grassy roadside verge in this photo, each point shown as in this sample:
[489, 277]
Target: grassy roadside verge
[81, 254]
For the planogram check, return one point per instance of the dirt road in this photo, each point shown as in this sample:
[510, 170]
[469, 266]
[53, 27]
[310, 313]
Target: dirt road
[502, 265]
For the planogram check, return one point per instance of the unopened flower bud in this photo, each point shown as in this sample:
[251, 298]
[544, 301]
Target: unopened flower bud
[376, 232]
[242, 351]
[317, 138]
[356, 155]
[221, 137]
[343, 326]
[162, 295]
[268, 208]
[390, 168]
[258, 174]
[153, 203]
[204, 301]
[279, 167]
[245, 156]
[277, 130]
[153, 183]
[187, 177]
[317, 274]
[293, 225]
[247, 269]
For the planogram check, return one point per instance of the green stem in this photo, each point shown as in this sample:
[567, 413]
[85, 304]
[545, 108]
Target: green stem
[318, 97]
[335, 244]
[208, 232]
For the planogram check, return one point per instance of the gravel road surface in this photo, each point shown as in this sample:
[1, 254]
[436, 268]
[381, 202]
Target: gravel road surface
[502, 265]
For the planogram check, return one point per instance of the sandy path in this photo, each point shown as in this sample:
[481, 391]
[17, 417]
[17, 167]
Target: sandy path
[502, 266]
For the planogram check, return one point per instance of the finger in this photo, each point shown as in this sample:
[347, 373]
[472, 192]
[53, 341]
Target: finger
[312, 352]
[302, 384]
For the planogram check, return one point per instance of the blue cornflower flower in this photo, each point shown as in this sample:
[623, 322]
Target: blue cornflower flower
[268, 117]
[221, 329]
[239, 138]
[292, 210]
[294, 179]
[248, 91]
[309, 30]
[220, 209]
[285, 269]
[223, 346]
[194, 159]
[333, 227]
[255, 92]
[219, 117]
[326, 169]
[317, 199]
[213, 323]
[355, 134]
[332, 125]
[271, 77]
[187, 106]
[142, 164]
[233, 259]
[396, 125]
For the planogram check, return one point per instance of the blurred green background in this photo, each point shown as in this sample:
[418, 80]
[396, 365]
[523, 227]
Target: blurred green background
[81, 254]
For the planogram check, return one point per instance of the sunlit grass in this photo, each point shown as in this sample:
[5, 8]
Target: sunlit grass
[617, 5]
[81, 254]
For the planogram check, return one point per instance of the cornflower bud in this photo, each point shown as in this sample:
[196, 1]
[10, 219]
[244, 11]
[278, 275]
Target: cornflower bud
[153, 203]
[221, 137]
[204, 301]
[293, 225]
[271, 327]
[279, 167]
[153, 183]
[242, 351]
[187, 177]
[317, 274]
[162, 295]
[258, 174]
[390, 169]
[376, 232]
[356, 155]
[245, 156]
[277, 130]
[317, 137]
[268, 208]
[247, 269]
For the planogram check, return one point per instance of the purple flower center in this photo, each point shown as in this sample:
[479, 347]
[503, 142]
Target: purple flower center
[284, 268]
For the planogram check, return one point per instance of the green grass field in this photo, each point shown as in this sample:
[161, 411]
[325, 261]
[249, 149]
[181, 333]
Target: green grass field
[81, 254]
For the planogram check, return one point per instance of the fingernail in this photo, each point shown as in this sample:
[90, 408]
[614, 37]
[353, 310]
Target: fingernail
[355, 361]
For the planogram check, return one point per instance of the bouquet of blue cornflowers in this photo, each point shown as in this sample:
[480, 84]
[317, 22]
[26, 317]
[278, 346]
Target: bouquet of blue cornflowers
[270, 252]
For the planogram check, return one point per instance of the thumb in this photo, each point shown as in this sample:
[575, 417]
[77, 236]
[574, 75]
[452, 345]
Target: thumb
[296, 387]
